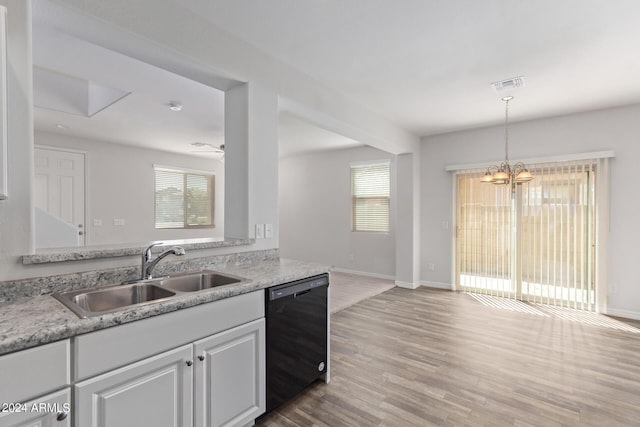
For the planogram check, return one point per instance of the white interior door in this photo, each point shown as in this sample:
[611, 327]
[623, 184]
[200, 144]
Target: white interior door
[59, 181]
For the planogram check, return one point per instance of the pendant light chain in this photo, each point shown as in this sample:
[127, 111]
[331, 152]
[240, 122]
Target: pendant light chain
[506, 173]
[506, 127]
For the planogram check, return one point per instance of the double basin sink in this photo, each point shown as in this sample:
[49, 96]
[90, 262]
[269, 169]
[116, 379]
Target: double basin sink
[97, 301]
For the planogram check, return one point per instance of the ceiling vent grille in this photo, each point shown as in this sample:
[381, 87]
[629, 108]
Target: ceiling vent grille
[512, 83]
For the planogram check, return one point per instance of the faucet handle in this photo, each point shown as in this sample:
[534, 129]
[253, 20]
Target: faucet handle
[147, 252]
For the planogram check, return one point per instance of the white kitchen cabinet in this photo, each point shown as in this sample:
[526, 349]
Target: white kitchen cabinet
[34, 372]
[145, 338]
[230, 376]
[155, 392]
[47, 411]
[214, 376]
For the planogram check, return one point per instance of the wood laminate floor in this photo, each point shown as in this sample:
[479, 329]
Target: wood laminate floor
[431, 357]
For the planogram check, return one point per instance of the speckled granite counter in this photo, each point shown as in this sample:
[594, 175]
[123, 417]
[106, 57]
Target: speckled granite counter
[94, 252]
[42, 319]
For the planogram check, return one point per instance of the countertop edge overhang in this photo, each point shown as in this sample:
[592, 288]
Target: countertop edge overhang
[42, 319]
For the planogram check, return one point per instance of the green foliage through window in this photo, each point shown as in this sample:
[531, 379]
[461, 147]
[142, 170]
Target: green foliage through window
[183, 199]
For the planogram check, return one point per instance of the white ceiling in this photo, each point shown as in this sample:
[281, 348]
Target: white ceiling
[141, 118]
[299, 136]
[427, 65]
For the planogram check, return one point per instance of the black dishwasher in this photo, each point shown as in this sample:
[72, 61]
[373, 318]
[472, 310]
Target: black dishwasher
[296, 316]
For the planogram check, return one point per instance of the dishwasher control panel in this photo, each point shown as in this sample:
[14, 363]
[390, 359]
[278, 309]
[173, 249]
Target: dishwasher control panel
[297, 287]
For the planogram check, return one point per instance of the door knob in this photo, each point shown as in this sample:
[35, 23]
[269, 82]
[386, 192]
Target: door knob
[81, 233]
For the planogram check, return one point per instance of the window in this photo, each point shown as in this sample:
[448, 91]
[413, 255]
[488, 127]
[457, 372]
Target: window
[370, 191]
[184, 199]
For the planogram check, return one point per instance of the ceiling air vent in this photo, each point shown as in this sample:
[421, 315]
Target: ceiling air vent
[512, 83]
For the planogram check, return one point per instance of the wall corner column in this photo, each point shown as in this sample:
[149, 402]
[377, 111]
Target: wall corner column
[408, 220]
[251, 163]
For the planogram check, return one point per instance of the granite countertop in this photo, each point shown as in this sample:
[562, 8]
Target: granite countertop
[95, 252]
[43, 319]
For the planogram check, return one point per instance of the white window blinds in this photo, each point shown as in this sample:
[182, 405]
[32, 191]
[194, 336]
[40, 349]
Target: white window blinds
[536, 243]
[370, 194]
[183, 199]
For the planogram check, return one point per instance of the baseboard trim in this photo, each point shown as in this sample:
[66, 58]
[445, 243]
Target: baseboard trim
[407, 285]
[363, 273]
[627, 314]
[437, 285]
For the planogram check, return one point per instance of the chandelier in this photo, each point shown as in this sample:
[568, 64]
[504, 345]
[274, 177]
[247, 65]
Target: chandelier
[506, 173]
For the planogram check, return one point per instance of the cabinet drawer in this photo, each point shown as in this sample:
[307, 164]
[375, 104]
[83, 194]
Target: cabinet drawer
[104, 350]
[34, 372]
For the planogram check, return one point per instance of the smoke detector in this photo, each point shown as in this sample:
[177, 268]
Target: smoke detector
[512, 83]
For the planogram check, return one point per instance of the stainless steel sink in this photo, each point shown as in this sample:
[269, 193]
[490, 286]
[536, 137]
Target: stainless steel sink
[97, 301]
[194, 282]
[88, 303]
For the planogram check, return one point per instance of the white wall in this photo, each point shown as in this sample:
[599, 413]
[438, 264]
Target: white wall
[16, 214]
[315, 212]
[120, 184]
[614, 129]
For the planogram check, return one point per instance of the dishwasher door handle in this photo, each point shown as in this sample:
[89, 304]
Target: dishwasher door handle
[297, 294]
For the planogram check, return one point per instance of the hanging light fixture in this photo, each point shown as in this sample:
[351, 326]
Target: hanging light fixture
[506, 173]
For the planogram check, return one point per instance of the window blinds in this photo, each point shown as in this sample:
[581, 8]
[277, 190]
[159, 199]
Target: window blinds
[534, 244]
[370, 197]
[183, 199]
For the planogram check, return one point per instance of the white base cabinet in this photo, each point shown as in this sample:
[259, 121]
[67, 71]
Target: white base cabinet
[201, 366]
[230, 376]
[155, 392]
[51, 410]
[228, 373]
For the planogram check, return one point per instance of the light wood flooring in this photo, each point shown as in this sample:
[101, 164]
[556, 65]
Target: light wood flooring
[432, 357]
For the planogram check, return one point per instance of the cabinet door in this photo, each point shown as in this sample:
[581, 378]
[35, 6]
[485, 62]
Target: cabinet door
[230, 376]
[51, 410]
[155, 392]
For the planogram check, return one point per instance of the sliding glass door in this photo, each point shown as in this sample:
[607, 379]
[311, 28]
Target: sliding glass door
[532, 242]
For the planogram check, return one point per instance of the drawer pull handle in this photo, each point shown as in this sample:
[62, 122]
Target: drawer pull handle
[201, 358]
[62, 415]
[189, 363]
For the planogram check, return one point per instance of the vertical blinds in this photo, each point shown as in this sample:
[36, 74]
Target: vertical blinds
[370, 197]
[183, 199]
[534, 244]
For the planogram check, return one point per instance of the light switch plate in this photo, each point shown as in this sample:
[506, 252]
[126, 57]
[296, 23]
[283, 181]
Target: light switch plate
[97, 223]
[268, 231]
[118, 221]
[259, 231]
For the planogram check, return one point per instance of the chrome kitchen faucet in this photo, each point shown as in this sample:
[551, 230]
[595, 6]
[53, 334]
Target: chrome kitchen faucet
[149, 261]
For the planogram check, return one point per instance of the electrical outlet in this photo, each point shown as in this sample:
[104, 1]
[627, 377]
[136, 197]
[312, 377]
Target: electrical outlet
[97, 223]
[431, 267]
[268, 231]
[118, 222]
[259, 231]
